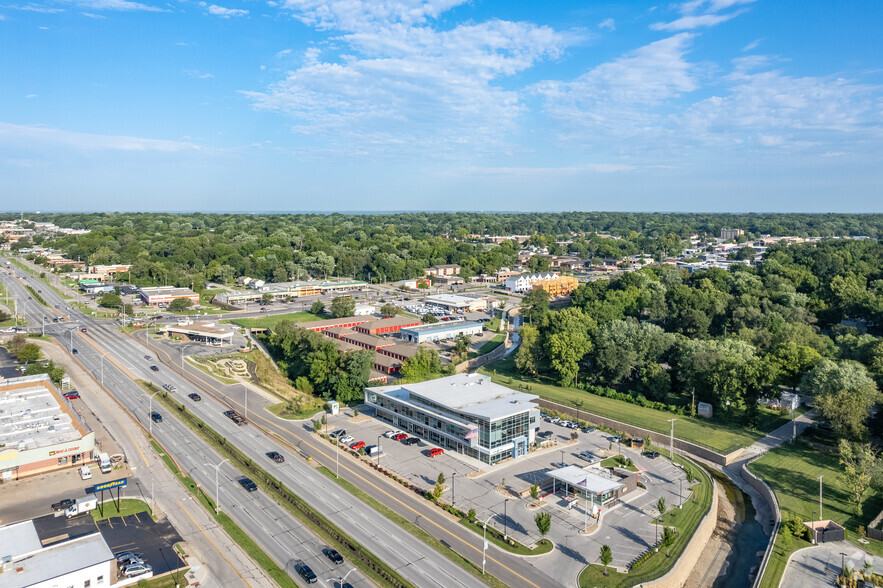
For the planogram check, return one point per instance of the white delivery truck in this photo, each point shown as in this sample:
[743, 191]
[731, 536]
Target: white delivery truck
[104, 463]
[82, 505]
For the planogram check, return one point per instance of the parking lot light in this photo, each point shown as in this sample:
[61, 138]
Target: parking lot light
[378, 449]
[453, 493]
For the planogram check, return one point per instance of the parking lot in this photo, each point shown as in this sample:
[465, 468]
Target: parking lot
[501, 493]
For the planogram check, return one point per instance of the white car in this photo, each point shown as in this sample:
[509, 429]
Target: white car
[390, 434]
[346, 440]
[85, 473]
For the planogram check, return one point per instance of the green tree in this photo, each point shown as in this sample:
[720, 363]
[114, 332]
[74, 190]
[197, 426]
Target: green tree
[179, 304]
[29, 352]
[424, 365]
[530, 352]
[343, 306]
[429, 318]
[660, 506]
[535, 304]
[266, 298]
[389, 309]
[565, 350]
[534, 491]
[669, 534]
[355, 368]
[110, 300]
[844, 395]
[461, 344]
[318, 308]
[606, 557]
[543, 521]
[440, 479]
[860, 463]
[56, 373]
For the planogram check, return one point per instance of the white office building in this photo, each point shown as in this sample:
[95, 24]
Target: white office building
[525, 282]
[466, 413]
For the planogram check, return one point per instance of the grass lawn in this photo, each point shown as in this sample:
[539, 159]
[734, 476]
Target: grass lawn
[489, 346]
[496, 537]
[128, 506]
[494, 325]
[205, 297]
[618, 461]
[271, 321]
[685, 520]
[287, 410]
[792, 471]
[716, 435]
[177, 579]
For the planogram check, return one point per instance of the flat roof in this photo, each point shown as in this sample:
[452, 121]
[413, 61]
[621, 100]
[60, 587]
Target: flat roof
[167, 291]
[470, 394]
[207, 329]
[327, 324]
[32, 415]
[19, 538]
[57, 561]
[442, 326]
[451, 299]
[403, 348]
[394, 321]
[580, 478]
[366, 339]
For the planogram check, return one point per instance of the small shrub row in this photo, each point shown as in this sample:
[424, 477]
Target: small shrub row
[634, 398]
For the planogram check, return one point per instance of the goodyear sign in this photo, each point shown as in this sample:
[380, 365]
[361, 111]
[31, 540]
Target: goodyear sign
[108, 485]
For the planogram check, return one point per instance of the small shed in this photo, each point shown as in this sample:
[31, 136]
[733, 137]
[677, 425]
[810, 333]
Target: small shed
[333, 407]
[825, 531]
[705, 410]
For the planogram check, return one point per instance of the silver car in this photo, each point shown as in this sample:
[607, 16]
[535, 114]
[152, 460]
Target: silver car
[136, 570]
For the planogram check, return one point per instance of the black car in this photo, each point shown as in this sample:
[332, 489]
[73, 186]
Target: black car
[248, 484]
[63, 505]
[544, 434]
[194, 397]
[652, 454]
[276, 456]
[332, 554]
[306, 573]
[74, 351]
[157, 418]
[411, 441]
[154, 368]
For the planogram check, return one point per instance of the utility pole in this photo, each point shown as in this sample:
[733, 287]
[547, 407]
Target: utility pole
[820, 497]
[671, 439]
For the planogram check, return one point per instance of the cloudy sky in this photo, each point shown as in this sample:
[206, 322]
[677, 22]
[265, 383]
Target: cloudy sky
[361, 105]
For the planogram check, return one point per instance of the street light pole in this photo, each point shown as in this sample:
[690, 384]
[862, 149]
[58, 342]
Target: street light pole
[671, 440]
[453, 489]
[150, 422]
[378, 450]
[820, 497]
[505, 520]
[341, 580]
[484, 549]
[217, 486]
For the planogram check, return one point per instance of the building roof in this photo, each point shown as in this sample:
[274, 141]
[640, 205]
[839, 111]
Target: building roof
[19, 538]
[578, 477]
[337, 332]
[33, 414]
[470, 394]
[202, 329]
[442, 326]
[387, 361]
[327, 324]
[450, 299]
[393, 321]
[372, 341]
[58, 560]
[403, 348]
[168, 291]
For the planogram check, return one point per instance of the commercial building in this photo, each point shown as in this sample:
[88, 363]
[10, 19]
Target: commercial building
[83, 561]
[450, 269]
[453, 303]
[440, 331]
[600, 486]
[201, 332]
[280, 291]
[39, 430]
[346, 322]
[166, 294]
[552, 283]
[365, 310]
[466, 413]
[730, 234]
[524, 282]
[393, 324]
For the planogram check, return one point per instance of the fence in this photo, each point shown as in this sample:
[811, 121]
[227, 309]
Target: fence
[875, 534]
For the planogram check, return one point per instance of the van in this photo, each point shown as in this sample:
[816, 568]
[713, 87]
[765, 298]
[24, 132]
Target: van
[85, 473]
[104, 463]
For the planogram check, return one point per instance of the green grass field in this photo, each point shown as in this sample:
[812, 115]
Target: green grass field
[128, 506]
[718, 436]
[489, 346]
[792, 471]
[268, 322]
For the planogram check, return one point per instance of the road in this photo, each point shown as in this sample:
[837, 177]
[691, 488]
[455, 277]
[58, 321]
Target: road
[118, 359]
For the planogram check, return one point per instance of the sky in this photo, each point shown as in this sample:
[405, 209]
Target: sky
[381, 105]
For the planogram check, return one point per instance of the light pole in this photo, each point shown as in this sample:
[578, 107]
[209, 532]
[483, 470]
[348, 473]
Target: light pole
[217, 487]
[820, 497]
[182, 359]
[681, 493]
[484, 549]
[378, 449]
[150, 423]
[671, 440]
[102, 369]
[505, 520]
[342, 579]
[453, 489]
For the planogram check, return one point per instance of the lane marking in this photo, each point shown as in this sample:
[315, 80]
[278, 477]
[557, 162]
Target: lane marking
[201, 530]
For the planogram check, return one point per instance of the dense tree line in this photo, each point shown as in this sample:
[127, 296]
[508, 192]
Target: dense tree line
[731, 337]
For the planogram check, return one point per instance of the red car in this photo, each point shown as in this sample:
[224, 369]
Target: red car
[435, 451]
[399, 437]
[357, 445]
[84, 330]
[72, 395]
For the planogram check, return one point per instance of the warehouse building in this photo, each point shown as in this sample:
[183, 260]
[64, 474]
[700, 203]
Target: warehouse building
[440, 331]
[393, 324]
[347, 323]
[466, 413]
[166, 294]
[39, 430]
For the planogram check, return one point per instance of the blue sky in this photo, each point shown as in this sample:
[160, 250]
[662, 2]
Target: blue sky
[247, 105]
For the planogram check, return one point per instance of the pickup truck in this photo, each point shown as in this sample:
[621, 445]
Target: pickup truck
[235, 417]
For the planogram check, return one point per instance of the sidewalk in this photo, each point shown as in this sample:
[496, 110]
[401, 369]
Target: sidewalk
[226, 562]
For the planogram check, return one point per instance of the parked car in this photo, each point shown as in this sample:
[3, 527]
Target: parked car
[544, 434]
[136, 570]
[588, 429]
[357, 445]
[74, 351]
[337, 433]
[194, 397]
[83, 330]
[72, 395]
[332, 554]
[275, 456]
[573, 425]
[389, 434]
[565, 424]
[554, 419]
[306, 573]
[411, 441]
[125, 555]
[587, 455]
[435, 452]
[130, 560]
[652, 454]
[156, 417]
[346, 439]
[63, 504]
[399, 436]
[248, 484]
[154, 368]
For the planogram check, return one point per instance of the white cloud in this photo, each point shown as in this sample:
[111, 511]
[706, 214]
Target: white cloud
[30, 136]
[833, 154]
[529, 171]
[223, 12]
[283, 53]
[125, 5]
[711, 5]
[91, 15]
[198, 74]
[30, 96]
[37, 8]
[355, 15]
[608, 24]
[686, 23]
[752, 45]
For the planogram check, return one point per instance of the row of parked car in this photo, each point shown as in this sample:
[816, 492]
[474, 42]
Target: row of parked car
[130, 564]
[396, 435]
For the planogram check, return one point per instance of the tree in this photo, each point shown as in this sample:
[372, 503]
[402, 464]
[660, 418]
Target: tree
[440, 479]
[606, 557]
[544, 522]
[530, 352]
[424, 365]
[669, 534]
[180, 304]
[266, 298]
[389, 309]
[4, 316]
[565, 350]
[343, 306]
[660, 505]
[844, 395]
[29, 352]
[317, 308]
[56, 373]
[535, 304]
[429, 318]
[860, 463]
[534, 491]
[461, 344]
[110, 300]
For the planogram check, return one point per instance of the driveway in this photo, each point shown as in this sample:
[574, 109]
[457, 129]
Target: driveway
[819, 566]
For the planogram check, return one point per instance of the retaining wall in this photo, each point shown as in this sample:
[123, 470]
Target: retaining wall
[767, 493]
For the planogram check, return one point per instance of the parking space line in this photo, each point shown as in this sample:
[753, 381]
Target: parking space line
[109, 523]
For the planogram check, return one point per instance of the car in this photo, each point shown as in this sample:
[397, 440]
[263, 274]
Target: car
[156, 417]
[306, 573]
[154, 368]
[63, 504]
[435, 452]
[399, 437]
[338, 433]
[357, 445]
[122, 556]
[333, 555]
[588, 429]
[565, 424]
[136, 570]
[194, 397]
[554, 419]
[130, 561]
[170, 387]
[411, 441]
[544, 415]
[573, 425]
[614, 439]
[544, 434]
[559, 464]
[346, 439]
[74, 351]
[275, 456]
[392, 433]
[587, 456]
[147, 357]
[83, 330]
[652, 454]
[248, 484]
[72, 395]
[85, 473]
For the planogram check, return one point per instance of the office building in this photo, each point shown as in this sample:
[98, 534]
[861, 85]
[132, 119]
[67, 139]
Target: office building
[440, 331]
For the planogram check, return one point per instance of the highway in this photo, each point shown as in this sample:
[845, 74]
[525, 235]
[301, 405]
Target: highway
[118, 359]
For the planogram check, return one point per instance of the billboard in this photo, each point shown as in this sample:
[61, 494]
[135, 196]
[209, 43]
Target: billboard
[107, 485]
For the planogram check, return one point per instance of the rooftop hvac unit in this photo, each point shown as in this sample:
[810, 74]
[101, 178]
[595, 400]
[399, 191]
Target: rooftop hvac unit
[7, 563]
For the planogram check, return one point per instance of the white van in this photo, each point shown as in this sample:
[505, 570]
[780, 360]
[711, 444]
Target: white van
[85, 473]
